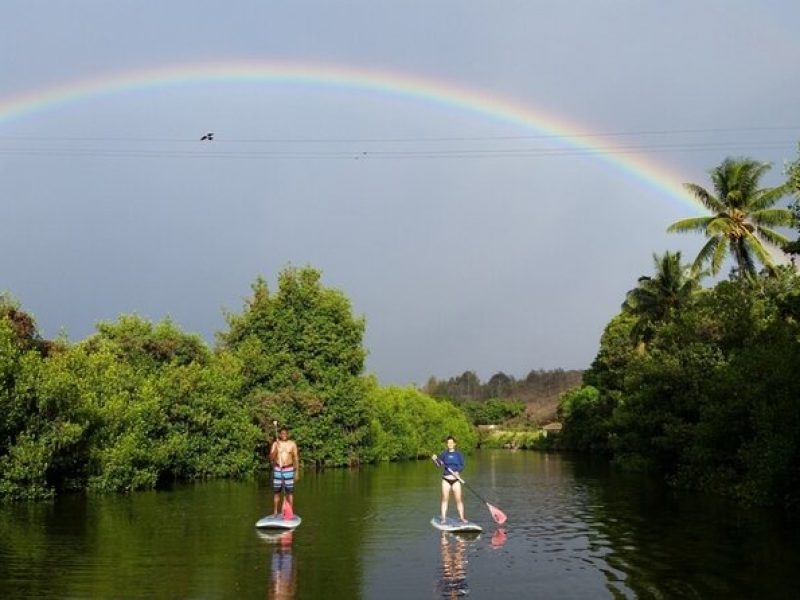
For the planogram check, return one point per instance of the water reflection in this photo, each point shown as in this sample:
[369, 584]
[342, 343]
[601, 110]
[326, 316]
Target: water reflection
[499, 538]
[579, 530]
[283, 566]
[453, 575]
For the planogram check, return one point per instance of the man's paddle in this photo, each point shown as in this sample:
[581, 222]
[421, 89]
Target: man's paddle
[286, 507]
[498, 515]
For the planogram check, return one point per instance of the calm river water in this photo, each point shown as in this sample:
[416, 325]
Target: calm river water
[576, 529]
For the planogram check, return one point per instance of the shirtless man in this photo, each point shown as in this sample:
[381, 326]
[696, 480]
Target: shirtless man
[285, 467]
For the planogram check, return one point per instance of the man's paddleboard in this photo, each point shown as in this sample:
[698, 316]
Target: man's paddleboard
[278, 522]
[451, 524]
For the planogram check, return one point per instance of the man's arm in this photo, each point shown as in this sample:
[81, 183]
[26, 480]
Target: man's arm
[296, 457]
[273, 452]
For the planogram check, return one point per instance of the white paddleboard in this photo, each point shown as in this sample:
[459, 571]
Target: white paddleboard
[278, 522]
[455, 525]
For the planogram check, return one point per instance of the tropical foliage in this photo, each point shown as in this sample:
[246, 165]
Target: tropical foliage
[121, 411]
[536, 386]
[302, 354]
[138, 405]
[793, 184]
[712, 400]
[492, 411]
[655, 299]
[533, 399]
[406, 423]
[713, 403]
[742, 217]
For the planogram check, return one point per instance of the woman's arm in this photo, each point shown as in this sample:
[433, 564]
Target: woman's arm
[459, 462]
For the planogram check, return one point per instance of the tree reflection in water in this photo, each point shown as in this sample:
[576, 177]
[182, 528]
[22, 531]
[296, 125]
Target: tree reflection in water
[283, 567]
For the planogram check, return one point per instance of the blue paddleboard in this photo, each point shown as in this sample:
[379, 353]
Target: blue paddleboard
[451, 524]
[278, 522]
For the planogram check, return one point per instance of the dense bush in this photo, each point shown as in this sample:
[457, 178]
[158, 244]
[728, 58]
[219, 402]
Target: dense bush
[102, 416]
[492, 411]
[406, 423]
[712, 401]
[525, 439]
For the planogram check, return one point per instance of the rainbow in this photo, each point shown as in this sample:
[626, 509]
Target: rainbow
[448, 95]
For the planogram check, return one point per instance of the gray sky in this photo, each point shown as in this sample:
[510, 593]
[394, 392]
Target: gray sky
[459, 255]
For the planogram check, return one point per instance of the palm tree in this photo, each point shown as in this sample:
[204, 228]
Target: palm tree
[793, 171]
[655, 299]
[742, 214]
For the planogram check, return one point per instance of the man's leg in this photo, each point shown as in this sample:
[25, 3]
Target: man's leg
[288, 487]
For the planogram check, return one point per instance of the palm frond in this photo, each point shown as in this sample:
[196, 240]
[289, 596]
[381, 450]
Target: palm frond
[773, 216]
[690, 224]
[769, 196]
[705, 254]
[750, 174]
[720, 225]
[719, 256]
[773, 237]
[754, 245]
[705, 197]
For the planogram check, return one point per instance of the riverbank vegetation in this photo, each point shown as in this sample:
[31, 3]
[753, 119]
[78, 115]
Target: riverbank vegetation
[530, 401]
[699, 383]
[138, 404]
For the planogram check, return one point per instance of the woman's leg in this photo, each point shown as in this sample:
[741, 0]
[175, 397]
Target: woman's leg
[459, 501]
[445, 498]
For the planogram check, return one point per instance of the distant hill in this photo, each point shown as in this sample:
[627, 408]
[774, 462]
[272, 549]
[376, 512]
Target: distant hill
[539, 390]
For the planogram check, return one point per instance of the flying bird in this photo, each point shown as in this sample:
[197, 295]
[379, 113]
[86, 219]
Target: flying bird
[208, 137]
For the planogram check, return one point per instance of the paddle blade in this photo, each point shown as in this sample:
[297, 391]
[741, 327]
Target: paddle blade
[288, 513]
[498, 515]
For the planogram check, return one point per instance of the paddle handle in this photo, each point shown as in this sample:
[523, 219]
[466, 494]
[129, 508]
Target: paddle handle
[274, 447]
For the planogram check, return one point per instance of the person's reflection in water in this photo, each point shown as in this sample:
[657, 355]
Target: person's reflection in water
[453, 580]
[283, 568]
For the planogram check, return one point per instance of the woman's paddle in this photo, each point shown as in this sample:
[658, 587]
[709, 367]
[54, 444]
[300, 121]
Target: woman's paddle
[286, 507]
[498, 515]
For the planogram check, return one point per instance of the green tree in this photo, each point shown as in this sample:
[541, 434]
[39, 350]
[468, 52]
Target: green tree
[137, 341]
[585, 413]
[742, 215]
[302, 355]
[793, 183]
[406, 424]
[499, 385]
[492, 411]
[655, 299]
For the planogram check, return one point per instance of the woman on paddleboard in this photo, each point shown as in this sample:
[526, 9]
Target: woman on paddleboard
[452, 462]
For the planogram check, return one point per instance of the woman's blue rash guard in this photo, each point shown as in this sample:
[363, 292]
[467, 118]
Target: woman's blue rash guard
[454, 460]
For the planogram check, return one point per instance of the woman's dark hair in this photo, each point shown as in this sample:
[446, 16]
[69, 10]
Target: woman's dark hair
[449, 437]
